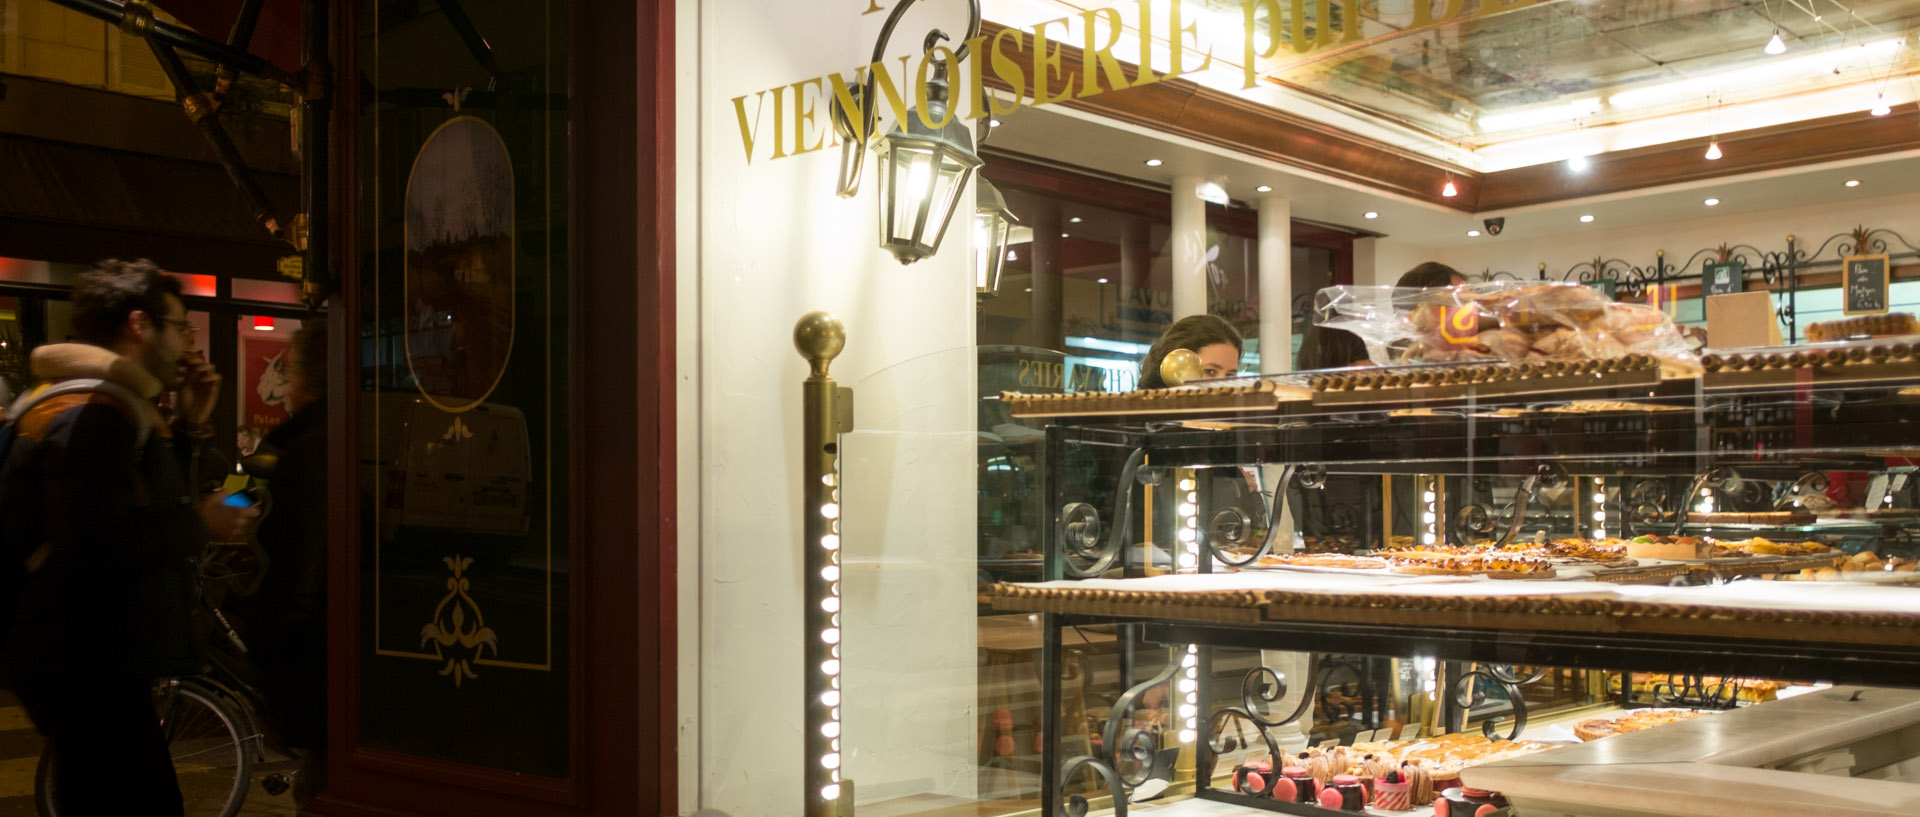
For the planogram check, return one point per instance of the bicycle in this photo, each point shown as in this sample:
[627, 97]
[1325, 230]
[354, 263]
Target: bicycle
[209, 718]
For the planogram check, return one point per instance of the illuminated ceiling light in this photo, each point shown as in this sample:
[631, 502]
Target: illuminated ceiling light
[262, 323]
[1103, 280]
[1712, 202]
[1579, 164]
[1765, 72]
[1153, 163]
[1074, 220]
[1713, 150]
[1880, 107]
[1586, 219]
[1066, 235]
[1853, 182]
[1265, 188]
[993, 123]
[1473, 233]
[1372, 214]
[1776, 45]
[1449, 191]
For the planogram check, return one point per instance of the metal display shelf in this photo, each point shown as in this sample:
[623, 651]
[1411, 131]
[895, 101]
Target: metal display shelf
[1658, 447]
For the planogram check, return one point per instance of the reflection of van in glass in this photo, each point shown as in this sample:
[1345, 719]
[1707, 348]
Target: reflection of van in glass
[453, 472]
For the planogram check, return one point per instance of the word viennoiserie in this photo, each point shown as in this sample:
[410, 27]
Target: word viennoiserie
[800, 119]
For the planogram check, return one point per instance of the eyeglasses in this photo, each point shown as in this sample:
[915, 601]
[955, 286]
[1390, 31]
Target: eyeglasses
[184, 327]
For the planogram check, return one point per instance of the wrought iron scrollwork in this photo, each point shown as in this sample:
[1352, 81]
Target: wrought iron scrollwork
[1222, 536]
[1811, 483]
[1467, 694]
[1516, 674]
[1694, 691]
[1123, 745]
[1646, 501]
[1259, 688]
[1077, 804]
[1081, 527]
[1624, 279]
[1723, 478]
[1478, 519]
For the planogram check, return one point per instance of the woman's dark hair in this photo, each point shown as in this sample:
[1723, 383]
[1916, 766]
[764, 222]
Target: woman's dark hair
[1429, 275]
[114, 289]
[1328, 348]
[1193, 332]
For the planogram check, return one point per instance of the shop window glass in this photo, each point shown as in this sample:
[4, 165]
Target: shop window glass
[463, 384]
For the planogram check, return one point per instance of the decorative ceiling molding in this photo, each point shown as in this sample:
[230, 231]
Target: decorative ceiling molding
[1191, 111]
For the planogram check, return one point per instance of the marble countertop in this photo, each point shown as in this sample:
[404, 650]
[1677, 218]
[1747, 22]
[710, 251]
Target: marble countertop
[1709, 767]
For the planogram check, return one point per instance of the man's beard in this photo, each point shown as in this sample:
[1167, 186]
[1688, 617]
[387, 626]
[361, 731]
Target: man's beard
[167, 370]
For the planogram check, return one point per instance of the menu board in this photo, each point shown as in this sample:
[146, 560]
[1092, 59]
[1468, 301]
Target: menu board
[1723, 279]
[1865, 280]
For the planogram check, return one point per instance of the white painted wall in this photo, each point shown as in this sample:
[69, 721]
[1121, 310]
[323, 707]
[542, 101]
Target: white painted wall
[1381, 261]
[774, 242]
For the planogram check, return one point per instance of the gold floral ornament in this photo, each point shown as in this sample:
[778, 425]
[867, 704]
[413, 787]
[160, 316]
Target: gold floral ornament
[452, 612]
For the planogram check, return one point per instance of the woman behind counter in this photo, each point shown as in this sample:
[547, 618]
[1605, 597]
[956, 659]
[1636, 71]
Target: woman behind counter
[1216, 342]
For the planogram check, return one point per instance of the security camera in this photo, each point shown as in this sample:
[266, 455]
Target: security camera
[1495, 225]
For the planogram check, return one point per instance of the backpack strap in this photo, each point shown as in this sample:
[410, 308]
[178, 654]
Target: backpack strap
[141, 423]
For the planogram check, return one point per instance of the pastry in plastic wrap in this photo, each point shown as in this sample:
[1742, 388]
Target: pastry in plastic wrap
[1500, 321]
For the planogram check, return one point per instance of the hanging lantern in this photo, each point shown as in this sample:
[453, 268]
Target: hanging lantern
[262, 323]
[992, 224]
[922, 174]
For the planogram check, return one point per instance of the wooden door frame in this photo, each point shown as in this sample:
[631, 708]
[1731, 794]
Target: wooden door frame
[621, 391]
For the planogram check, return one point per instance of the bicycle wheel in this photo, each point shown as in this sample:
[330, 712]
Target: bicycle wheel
[209, 749]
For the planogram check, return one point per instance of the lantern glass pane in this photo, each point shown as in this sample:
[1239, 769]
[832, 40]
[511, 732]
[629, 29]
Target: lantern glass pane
[913, 180]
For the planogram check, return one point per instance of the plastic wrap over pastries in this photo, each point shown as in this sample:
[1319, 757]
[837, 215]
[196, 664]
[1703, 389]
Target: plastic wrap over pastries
[1498, 321]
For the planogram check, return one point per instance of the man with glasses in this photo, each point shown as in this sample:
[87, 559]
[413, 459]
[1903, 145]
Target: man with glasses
[99, 505]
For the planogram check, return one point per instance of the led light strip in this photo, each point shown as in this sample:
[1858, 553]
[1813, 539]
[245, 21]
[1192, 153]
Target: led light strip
[1599, 507]
[1430, 511]
[1187, 517]
[827, 414]
[830, 635]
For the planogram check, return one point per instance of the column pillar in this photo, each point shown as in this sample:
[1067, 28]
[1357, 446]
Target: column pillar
[1276, 285]
[1046, 321]
[1136, 272]
[1189, 248]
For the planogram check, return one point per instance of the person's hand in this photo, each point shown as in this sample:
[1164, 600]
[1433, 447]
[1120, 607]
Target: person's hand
[199, 388]
[225, 523]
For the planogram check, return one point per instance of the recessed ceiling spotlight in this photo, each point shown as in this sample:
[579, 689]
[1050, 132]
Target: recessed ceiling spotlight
[1712, 202]
[1853, 182]
[1103, 280]
[1265, 188]
[1372, 214]
[1066, 235]
[1074, 220]
[1579, 164]
[1586, 219]
[1153, 163]
[993, 123]
[1473, 233]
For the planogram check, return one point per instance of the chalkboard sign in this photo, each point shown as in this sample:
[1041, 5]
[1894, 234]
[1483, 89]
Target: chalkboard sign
[1724, 279]
[1865, 280]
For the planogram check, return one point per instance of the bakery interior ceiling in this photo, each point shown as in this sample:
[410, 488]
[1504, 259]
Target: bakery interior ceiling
[1538, 82]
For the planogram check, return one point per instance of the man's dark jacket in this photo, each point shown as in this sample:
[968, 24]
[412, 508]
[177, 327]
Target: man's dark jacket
[113, 532]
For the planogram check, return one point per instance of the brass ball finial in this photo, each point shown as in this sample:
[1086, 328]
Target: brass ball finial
[819, 336]
[1180, 366]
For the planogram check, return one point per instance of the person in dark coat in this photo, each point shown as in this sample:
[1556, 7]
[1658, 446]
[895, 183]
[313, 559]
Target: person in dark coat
[289, 619]
[113, 528]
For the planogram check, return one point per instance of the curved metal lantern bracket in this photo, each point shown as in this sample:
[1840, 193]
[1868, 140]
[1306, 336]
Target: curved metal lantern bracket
[854, 140]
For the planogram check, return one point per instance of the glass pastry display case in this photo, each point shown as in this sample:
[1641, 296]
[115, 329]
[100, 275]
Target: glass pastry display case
[1458, 574]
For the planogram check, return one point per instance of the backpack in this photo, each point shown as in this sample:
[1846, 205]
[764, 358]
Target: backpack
[18, 560]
